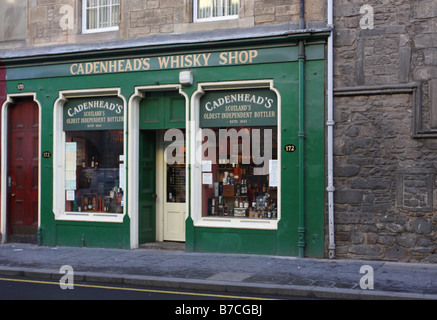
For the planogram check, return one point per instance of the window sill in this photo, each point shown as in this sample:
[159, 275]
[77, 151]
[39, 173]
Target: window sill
[91, 217]
[214, 19]
[90, 31]
[237, 223]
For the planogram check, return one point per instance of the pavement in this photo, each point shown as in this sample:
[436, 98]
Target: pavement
[175, 269]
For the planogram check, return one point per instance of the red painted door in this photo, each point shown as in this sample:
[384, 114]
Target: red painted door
[22, 181]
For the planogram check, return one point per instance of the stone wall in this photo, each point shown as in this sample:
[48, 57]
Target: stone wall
[13, 20]
[385, 139]
[151, 17]
[385, 181]
[400, 48]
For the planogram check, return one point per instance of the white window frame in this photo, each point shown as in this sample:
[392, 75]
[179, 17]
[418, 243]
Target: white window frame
[195, 132]
[85, 18]
[59, 157]
[225, 17]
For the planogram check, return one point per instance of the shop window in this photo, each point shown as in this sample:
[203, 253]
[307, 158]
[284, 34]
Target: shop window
[239, 154]
[94, 158]
[92, 166]
[208, 10]
[100, 15]
[241, 186]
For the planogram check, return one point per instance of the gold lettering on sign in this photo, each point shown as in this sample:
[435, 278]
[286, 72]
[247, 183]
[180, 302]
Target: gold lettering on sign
[164, 62]
[238, 57]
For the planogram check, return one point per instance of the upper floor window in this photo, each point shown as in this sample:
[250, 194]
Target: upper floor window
[100, 15]
[209, 10]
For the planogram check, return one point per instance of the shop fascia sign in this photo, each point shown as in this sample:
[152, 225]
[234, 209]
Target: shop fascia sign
[229, 108]
[158, 62]
[193, 60]
[99, 113]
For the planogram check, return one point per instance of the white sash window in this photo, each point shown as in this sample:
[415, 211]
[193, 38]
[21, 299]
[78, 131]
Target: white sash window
[100, 15]
[208, 10]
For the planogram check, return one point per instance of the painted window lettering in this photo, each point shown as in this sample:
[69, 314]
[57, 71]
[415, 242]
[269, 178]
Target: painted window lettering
[211, 105]
[95, 104]
[251, 107]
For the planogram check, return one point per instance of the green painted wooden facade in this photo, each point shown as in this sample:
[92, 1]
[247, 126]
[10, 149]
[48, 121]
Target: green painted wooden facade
[278, 62]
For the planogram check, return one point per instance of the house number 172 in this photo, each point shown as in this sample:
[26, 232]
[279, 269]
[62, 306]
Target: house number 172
[290, 148]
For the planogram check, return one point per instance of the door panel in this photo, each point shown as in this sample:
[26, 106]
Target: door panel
[151, 113]
[147, 187]
[174, 111]
[23, 151]
[162, 110]
[174, 222]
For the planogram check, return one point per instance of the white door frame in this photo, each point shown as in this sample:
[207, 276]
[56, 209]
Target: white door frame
[133, 155]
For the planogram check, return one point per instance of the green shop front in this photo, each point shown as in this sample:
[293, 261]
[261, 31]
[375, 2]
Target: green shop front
[216, 145]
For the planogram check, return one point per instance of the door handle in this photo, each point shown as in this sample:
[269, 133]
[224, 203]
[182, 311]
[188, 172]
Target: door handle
[154, 196]
[13, 194]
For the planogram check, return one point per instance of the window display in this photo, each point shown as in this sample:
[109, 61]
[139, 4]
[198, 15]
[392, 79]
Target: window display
[235, 183]
[239, 153]
[94, 159]
[94, 171]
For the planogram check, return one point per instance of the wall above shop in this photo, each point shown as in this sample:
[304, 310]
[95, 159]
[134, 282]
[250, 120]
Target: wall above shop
[62, 22]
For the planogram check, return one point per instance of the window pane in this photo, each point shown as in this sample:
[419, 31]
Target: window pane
[92, 176]
[219, 8]
[115, 15]
[104, 17]
[102, 14]
[176, 183]
[241, 185]
[176, 170]
[91, 18]
[233, 7]
[216, 8]
[204, 10]
[91, 3]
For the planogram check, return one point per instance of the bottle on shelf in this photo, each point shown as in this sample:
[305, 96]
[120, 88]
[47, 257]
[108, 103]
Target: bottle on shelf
[237, 173]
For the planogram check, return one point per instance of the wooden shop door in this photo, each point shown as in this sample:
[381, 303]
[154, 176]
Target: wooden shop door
[23, 156]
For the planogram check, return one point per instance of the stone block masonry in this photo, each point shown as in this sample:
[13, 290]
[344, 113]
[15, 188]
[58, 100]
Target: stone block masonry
[146, 18]
[385, 146]
[385, 181]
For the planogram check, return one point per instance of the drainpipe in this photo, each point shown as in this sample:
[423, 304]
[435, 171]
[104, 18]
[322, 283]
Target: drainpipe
[301, 136]
[302, 15]
[330, 126]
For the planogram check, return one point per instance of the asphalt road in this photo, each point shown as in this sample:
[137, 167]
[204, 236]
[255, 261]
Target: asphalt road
[169, 303]
[13, 288]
